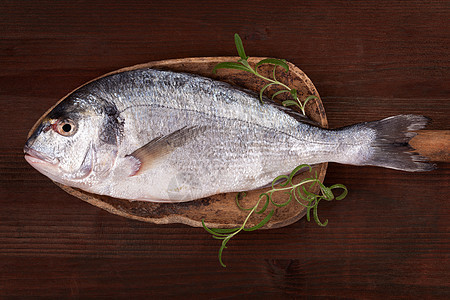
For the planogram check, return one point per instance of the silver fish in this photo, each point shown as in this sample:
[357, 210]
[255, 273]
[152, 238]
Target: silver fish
[163, 136]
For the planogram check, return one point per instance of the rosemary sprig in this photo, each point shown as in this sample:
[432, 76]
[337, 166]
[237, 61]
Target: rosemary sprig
[296, 191]
[243, 64]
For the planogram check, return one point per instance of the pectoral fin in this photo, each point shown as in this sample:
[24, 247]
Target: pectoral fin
[160, 147]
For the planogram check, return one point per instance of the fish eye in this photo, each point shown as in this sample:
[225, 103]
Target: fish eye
[65, 127]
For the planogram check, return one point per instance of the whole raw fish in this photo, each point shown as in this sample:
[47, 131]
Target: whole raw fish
[163, 136]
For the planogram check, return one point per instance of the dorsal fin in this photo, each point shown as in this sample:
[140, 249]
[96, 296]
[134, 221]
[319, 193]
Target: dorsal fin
[293, 113]
[286, 109]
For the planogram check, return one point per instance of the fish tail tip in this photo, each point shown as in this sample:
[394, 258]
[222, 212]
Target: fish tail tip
[391, 148]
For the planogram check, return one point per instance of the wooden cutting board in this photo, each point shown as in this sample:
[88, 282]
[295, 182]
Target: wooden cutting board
[218, 210]
[221, 210]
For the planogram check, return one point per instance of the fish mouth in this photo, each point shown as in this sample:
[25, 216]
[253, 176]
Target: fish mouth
[33, 156]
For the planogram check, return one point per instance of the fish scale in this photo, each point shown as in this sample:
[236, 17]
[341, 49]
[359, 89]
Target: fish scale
[163, 136]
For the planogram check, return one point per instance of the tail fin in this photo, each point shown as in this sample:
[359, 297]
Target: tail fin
[390, 148]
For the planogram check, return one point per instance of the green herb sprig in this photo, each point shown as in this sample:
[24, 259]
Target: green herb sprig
[296, 191]
[243, 64]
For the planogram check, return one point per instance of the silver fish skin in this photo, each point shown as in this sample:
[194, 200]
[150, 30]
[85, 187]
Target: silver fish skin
[163, 136]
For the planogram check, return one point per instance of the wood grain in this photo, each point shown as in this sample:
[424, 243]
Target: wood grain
[434, 144]
[368, 59]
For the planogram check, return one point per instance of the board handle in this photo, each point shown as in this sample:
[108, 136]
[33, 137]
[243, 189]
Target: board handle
[433, 144]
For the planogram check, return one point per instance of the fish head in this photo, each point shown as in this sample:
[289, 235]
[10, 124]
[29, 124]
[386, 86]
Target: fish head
[76, 142]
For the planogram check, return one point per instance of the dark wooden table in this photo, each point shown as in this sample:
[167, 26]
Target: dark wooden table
[371, 59]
